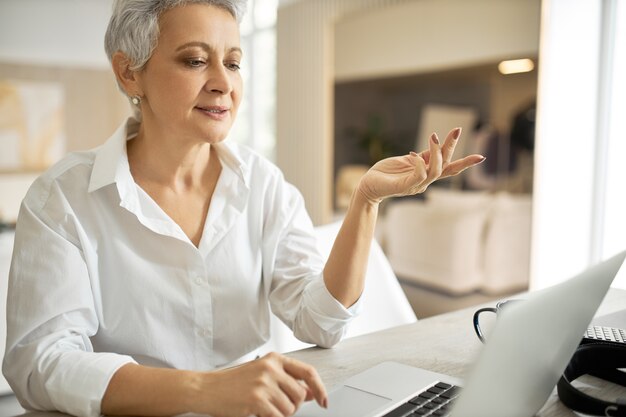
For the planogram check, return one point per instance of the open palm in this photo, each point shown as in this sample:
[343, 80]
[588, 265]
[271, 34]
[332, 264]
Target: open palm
[413, 173]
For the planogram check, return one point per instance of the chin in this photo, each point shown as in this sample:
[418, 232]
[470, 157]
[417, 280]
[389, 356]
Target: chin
[214, 137]
[217, 135]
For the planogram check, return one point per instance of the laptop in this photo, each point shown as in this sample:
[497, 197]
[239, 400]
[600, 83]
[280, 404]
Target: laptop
[525, 354]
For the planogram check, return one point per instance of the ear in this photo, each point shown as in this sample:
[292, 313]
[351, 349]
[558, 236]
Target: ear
[126, 77]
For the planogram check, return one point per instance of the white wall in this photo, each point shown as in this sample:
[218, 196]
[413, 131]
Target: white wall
[428, 35]
[614, 236]
[54, 32]
[13, 188]
[577, 170]
[565, 132]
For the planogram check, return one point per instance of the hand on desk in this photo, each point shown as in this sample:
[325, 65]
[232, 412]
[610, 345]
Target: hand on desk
[273, 386]
[413, 173]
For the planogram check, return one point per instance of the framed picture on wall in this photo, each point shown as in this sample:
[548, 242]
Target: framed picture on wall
[32, 128]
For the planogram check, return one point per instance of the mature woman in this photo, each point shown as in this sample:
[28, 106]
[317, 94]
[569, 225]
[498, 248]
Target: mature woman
[145, 264]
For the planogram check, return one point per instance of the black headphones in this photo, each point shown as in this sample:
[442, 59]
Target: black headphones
[599, 359]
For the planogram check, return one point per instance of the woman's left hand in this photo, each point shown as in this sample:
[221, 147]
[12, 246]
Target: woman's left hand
[413, 173]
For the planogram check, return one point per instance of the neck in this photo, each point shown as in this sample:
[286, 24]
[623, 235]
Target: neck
[176, 162]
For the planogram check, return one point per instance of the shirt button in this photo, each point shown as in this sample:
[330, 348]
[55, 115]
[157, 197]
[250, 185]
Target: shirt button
[198, 280]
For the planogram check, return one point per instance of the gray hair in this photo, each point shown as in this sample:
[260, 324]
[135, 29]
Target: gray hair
[134, 25]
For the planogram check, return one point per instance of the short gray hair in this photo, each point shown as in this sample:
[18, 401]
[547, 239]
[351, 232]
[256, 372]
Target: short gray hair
[134, 25]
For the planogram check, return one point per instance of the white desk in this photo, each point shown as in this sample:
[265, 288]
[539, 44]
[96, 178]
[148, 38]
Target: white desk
[444, 343]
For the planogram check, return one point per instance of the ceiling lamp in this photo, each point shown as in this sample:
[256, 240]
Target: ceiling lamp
[515, 66]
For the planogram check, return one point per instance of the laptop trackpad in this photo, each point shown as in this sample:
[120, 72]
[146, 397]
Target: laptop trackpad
[344, 402]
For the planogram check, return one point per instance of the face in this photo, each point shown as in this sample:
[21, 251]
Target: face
[191, 86]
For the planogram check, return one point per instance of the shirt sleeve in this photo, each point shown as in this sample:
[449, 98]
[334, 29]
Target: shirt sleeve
[49, 361]
[298, 295]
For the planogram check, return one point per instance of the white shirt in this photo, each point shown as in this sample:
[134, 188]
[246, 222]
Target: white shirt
[101, 276]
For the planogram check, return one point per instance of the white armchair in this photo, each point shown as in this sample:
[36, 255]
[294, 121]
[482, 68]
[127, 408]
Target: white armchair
[460, 241]
[506, 254]
[385, 304]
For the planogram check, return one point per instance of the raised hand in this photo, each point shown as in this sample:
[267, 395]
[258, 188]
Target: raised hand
[413, 173]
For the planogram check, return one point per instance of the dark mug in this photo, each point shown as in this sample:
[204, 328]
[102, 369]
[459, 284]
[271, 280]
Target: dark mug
[497, 309]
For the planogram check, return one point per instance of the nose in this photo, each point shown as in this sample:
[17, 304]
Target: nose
[219, 80]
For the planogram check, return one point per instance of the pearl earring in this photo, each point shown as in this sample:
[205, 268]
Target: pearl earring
[135, 100]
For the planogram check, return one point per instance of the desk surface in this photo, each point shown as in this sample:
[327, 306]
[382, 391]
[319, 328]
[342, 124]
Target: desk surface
[444, 343]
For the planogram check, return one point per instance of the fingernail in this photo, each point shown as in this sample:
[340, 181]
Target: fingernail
[457, 133]
[325, 402]
[412, 153]
[482, 158]
[433, 137]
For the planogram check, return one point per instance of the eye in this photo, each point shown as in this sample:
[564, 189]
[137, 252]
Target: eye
[233, 66]
[195, 62]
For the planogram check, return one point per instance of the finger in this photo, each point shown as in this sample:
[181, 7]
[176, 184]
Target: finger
[420, 173]
[448, 146]
[269, 410]
[434, 167]
[460, 165]
[309, 375]
[309, 394]
[283, 403]
[296, 392]
[425, 155]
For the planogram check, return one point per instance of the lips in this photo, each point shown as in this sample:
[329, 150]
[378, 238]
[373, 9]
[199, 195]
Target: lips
[214, 112]
[213, 109]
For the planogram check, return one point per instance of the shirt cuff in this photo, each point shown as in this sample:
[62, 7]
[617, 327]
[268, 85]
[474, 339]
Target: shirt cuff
[79, 388]
[327, 312]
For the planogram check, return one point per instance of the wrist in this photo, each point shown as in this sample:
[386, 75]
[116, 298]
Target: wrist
[363, 199]
[196, 386]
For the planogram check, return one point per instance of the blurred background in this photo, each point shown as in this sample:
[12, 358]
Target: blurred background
[332, 86]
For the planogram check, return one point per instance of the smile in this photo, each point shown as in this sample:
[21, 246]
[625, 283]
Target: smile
[214, 112]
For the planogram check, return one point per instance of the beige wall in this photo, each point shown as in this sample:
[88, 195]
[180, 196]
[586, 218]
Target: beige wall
[93, 105]
[93, 109]
[428, 35]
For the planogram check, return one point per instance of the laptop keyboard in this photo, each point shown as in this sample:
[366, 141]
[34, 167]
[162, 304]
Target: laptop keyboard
[434, 401]
[602, 333]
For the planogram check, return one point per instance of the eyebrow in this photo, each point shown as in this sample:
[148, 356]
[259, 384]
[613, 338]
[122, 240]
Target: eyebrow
[206, 47]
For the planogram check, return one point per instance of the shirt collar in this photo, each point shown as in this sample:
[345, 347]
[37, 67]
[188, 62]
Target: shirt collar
[230, 156]
[111, 161]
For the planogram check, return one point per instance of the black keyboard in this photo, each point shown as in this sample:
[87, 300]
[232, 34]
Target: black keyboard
[434, 401]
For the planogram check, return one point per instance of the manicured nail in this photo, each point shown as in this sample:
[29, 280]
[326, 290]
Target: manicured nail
[325, 402]
[433, 137]
[456, 133]
[482, 158]
[412, 153]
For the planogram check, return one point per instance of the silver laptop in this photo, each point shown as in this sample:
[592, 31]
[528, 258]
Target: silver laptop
[526, 353]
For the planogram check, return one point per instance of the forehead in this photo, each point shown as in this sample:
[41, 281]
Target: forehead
[198, 22]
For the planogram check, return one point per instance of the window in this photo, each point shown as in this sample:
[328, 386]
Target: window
[614, 239]
[256, 121]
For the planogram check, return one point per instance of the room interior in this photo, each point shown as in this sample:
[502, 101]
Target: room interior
[376, 74]
[364, 82]
[345, 66]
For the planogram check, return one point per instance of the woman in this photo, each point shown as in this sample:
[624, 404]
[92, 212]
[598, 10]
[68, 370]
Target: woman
[143, 265]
